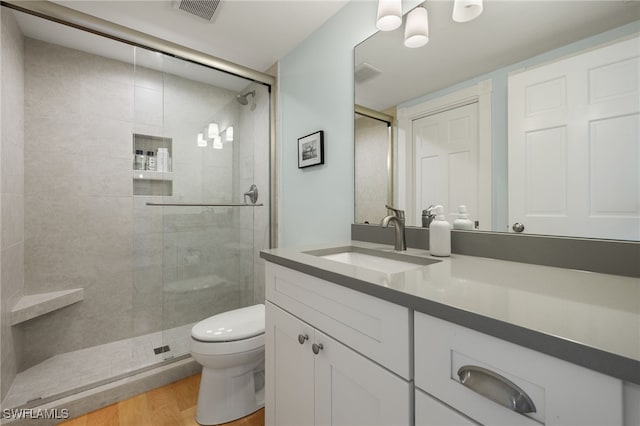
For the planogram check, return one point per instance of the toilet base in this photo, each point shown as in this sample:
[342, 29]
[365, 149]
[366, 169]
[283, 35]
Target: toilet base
[229, 394]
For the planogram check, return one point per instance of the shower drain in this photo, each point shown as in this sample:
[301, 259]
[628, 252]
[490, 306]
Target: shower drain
[161, 349]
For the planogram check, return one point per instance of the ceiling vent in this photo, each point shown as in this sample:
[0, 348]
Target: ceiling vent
[365, 71]
[201, 8]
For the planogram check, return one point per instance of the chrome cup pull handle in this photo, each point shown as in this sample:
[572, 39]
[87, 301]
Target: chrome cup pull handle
[496, 388]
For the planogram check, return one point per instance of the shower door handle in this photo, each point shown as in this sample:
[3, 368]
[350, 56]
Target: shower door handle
[252, 193]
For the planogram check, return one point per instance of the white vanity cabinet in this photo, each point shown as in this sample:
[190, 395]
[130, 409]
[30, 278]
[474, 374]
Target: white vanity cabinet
[314, 372]
[335, 386]
[548, 390]
[337, 356]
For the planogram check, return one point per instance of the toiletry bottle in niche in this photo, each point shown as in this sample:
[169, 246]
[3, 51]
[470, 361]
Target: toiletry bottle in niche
[139, 160]
[162, 160]
[439, 234]
[151, 162]
[463, 221]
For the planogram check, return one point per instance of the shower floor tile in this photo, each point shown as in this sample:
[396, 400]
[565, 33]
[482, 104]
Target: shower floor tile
[64, 373]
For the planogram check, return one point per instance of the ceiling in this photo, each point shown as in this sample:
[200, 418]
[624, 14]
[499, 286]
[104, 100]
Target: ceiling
[252, 33]
[505, 33]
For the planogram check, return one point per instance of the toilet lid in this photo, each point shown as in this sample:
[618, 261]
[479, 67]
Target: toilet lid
[229, 326]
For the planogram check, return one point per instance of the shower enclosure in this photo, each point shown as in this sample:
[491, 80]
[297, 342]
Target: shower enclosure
[124, 214]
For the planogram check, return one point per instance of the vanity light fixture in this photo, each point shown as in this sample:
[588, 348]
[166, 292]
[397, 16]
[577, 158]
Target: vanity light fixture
[229, 134]
[201, 140]
[466, 10]
[389, 15]
[416, 30]
[213, 130]
[217, 142]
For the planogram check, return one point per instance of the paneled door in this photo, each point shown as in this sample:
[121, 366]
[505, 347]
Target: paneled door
[446, 147]
[574, 145]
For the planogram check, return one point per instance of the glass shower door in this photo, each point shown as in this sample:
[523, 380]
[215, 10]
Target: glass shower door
[202, 126]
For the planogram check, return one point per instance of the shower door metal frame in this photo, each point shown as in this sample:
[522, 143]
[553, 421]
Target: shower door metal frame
[82, 21]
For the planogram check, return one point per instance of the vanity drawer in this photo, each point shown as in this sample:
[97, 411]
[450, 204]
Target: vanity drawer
[377, 329]
[562, 393]
[431, 412]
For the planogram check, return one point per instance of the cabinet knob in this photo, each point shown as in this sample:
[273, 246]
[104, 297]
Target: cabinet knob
[316, 348]
[517, 227]
[302, 338]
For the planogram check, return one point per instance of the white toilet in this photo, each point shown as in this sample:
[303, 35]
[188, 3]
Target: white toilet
[230, 348]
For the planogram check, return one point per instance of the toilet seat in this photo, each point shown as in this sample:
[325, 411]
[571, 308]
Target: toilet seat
[227, 348]
[232, 326]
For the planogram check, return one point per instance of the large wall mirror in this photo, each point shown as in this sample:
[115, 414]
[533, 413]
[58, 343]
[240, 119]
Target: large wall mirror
[453, 110]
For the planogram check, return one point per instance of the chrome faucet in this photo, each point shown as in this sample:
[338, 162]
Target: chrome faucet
[398, 218]
[428, 216]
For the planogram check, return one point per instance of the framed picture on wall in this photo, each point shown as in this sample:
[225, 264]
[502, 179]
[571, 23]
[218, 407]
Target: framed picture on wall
[311, 150]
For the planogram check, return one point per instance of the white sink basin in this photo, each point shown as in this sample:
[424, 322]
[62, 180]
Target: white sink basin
[381, 261]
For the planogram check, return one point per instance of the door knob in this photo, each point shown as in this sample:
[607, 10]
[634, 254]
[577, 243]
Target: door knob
[316, 348]
[302, 338]
[517, 227]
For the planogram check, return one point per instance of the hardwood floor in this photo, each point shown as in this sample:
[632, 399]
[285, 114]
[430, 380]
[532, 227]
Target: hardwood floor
[170, 405]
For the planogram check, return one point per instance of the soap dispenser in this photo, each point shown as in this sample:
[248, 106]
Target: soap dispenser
[440, 234]
[463, 222]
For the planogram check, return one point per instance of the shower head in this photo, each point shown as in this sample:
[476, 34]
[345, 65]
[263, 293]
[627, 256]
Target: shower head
[242, 99]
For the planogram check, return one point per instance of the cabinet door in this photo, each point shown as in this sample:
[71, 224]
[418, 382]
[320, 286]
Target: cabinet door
[430, 412]
[352, 390]
[288, 369]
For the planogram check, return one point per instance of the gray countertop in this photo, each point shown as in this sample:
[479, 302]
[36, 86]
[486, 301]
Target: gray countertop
[586, 318]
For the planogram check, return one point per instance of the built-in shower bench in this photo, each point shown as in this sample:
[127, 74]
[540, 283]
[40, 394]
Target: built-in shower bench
[35, 305]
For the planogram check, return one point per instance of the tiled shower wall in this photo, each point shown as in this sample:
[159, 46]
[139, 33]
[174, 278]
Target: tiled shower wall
[78, 197]
[11, 193]
[83, 226]
[371, 150]
[253, 158]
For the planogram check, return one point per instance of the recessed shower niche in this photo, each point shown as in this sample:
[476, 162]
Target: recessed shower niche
[152, 165]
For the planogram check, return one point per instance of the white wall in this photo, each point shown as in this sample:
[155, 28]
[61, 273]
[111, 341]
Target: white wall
[315, 92]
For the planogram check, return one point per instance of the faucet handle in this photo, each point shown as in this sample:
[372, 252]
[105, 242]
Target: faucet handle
[397, 212]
